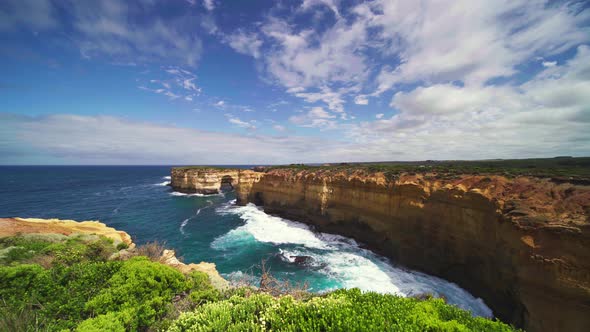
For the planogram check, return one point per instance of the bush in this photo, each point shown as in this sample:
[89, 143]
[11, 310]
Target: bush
[151, 250]
[142, 288]
[202, 290]
[65, 250]
[122, 245]
[58, 295]
[343, 310]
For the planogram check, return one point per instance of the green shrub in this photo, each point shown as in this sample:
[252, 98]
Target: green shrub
[343, 310]
[62, 250]
[120, 321]
[201, 289]
[141, 286]
[58, 294]
[122, 245]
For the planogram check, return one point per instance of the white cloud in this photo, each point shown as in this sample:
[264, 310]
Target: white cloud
[317, 117]
[306, 58]
[472, 41]
[242, 124]
[333, 99]
[73, 139]
[111, 29]
[209, 4]
[361, 100]
[309, 4]
[280, 128]
[220, 104]
[379, 115]
[549, 63]
[468, 41]
[245, 43]
[546, 116]
[179, 82]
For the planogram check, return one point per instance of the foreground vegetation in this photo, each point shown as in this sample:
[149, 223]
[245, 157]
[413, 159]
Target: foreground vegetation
[75, 283]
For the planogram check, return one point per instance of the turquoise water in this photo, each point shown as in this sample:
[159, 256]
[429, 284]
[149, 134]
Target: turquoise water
[210, 228]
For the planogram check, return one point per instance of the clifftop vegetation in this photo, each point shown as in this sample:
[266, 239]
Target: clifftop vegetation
[75, 283]
[559, 168]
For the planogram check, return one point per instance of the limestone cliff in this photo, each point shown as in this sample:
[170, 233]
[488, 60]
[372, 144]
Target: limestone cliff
[522, 244]
[202, 180]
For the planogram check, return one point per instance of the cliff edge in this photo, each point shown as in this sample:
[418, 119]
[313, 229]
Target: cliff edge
[51, 227]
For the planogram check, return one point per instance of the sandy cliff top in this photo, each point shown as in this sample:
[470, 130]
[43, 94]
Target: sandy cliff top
[14, 226]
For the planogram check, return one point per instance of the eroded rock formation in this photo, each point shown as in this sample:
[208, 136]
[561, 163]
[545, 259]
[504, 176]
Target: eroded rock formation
[202, 180]
[169, 258]
[521, 244]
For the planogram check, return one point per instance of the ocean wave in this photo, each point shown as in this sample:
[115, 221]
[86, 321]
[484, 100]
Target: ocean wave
[165, 183]
[167, 177]
[270, 229]
[339, 258]
[176, 193]
[185, 221]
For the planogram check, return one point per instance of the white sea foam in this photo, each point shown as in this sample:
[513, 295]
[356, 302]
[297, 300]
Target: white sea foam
[165, 183]
[166, 177]
[267, 228]
[339, 258]
[185, 221]
[176, 193]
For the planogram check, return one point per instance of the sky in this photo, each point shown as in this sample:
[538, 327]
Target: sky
[274, 82]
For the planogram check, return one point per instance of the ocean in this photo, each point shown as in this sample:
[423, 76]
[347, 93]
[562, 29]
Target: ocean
[138, 200]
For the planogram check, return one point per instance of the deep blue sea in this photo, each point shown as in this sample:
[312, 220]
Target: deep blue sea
[211, 228]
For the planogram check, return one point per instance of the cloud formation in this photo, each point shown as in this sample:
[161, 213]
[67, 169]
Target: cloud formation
[425, 79]
[111, 29]
[546, 116]
[429, 42]
[74, 139]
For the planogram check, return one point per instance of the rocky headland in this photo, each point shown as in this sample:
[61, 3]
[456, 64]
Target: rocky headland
[522, 243]
[57, 230]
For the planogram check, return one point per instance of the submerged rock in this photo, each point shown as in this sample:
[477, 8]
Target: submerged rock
[302, 260]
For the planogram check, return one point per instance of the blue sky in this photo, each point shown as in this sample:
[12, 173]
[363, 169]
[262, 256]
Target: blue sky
[259, 82]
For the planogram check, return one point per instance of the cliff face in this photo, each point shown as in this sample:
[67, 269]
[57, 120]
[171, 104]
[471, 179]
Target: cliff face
[202, 180]
[522, 244]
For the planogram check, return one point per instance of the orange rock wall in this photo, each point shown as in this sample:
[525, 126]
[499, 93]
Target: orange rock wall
[523, 245]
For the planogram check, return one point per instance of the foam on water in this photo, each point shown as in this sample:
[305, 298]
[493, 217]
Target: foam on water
[185, 221]
[338, 258]
[266, 228]
[176, 193]
[166, 177]
[165, 183]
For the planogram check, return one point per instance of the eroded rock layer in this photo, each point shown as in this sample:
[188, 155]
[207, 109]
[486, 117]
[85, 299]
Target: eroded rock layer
[202, 180]
[521, 244]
